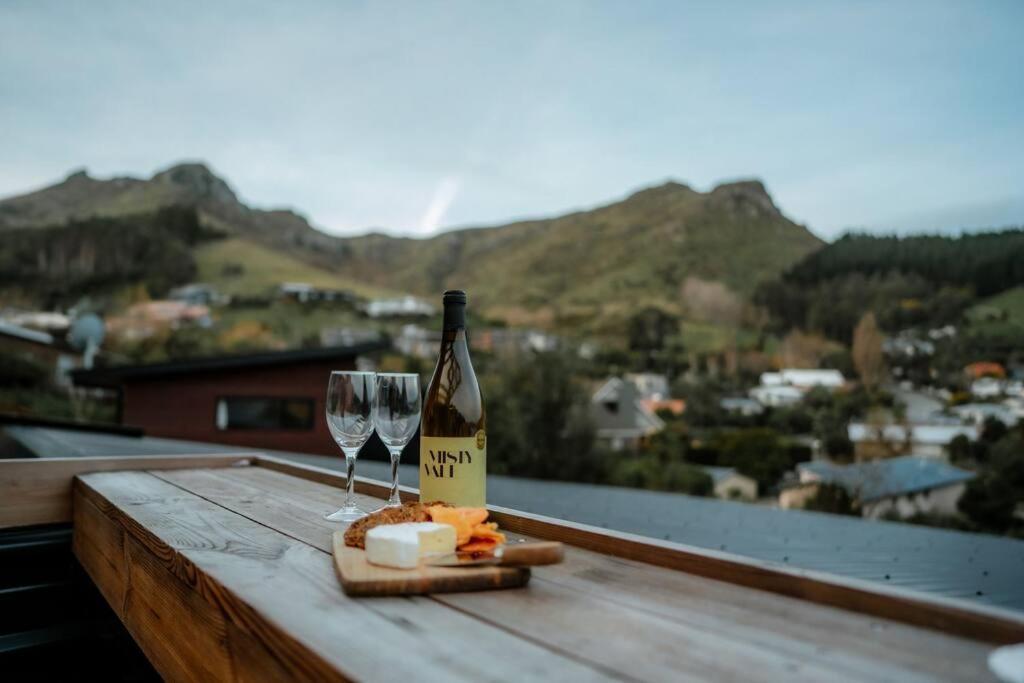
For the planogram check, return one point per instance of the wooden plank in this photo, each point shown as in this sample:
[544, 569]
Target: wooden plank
[182, 635]
[568, 606]
[146, 597]
[958, 617]
[283, 594]
[38, 490]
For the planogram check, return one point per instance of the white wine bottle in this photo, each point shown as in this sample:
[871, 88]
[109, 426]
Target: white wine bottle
[453, 435]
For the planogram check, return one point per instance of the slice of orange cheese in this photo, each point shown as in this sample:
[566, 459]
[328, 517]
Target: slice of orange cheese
[472, 533]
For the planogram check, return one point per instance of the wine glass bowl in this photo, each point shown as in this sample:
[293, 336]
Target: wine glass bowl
[396, 414]
[349, 408]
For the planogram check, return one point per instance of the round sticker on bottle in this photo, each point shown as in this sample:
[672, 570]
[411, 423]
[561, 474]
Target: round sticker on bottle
[481, 439]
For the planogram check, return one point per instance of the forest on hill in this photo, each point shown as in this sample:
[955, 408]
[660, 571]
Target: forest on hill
[922, 280]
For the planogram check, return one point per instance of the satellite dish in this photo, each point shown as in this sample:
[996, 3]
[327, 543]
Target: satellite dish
[86, 335]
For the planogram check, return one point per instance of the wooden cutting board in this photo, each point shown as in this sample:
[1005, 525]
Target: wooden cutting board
[360, 578]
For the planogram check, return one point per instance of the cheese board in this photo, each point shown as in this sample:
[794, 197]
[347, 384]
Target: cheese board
[360, 578]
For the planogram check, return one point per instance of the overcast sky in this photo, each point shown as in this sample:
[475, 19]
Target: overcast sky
[416, 116]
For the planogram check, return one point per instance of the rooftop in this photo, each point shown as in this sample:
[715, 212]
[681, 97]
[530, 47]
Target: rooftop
[114, 376]
[888, 477]
[977, 567]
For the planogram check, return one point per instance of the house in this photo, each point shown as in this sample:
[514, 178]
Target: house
[305, 293]
[746, 407]
[145, 319]
[985, 369]
[620, 416]
[978, 413]
[929, 440]
[649, 385]
[264, 400]
[987, 387]
[406, 306]
[198, 294]
[413, 340]
[504, 340]
[42, 348]
[903, 486]
[775, 395]
[808, 379]
[731, 485]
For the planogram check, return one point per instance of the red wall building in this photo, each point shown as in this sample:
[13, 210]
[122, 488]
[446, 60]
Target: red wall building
[273, 401]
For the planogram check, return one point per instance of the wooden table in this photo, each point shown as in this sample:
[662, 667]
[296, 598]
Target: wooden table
[224, 573]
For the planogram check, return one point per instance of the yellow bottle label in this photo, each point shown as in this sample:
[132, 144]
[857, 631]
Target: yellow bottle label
[454, 469]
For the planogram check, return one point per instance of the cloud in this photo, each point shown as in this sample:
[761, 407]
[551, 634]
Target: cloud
[444, 195]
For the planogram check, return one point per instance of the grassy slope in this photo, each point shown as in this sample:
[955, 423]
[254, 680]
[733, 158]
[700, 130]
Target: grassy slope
[595, 266]
[264, 269]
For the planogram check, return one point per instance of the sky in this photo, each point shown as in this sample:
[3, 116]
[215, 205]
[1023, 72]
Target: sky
[413, 117]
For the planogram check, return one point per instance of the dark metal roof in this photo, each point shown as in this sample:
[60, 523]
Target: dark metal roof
[975, 567]
[118, 375]
[889, 477]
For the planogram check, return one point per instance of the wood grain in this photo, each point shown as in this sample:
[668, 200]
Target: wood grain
[958, 617]
[283, 595]
[38, 490]
[657, 631]
[360, 578]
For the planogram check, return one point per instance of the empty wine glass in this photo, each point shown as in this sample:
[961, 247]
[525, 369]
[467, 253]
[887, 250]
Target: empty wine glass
[396, 412]
[350, 418]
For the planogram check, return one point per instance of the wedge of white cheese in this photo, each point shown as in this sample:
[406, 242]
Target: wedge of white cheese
[402, 545]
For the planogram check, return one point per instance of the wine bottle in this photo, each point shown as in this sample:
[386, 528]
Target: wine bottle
[453, 437]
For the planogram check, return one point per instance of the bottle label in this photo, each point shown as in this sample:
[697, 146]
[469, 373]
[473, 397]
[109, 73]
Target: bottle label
[454, 469]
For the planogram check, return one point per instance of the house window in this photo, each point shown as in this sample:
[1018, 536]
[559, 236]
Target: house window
[264, 412]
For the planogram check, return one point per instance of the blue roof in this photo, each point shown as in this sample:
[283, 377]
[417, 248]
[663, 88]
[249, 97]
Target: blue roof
[889, 477]
[719, 474]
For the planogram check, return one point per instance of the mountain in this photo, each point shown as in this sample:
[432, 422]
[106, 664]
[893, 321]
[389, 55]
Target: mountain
[635, 252]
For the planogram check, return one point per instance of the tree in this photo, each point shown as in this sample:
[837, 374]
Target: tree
[867, 351]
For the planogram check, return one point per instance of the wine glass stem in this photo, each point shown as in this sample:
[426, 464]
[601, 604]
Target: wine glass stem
[350, 480]
[396, 455]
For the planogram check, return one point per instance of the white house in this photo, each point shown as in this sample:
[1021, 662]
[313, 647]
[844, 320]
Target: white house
[401, 306]
[775, 395]
[746, 407]
[977, 413]
[904, 486]
[987, 387]
[929, 440]
[731, 485]
[808, 379]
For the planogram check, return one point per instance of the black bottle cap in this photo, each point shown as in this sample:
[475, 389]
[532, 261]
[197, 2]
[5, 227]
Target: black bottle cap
[455, 296]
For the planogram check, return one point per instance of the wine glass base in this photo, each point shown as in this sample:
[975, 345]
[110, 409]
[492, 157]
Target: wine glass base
[346, 514]
[388, 505]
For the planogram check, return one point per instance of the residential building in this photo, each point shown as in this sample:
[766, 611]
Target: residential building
[731, 485]
[775, 395]
[198, 294]
[41, 347]
[143, 320]
[417, 341]
[304, 293]
[505, 340]
[748, 407]
[978, 413]
[405, 306]
[649, 385]
[987, 387]
[620, 416]
[264, 400]
[928, 440]
[901, 487]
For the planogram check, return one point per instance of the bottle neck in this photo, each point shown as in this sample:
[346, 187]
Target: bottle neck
[454, 318]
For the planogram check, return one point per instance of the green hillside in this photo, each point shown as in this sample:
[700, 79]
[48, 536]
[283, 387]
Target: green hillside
[590, 264]
[239, 266]
[585, 272]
